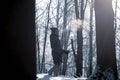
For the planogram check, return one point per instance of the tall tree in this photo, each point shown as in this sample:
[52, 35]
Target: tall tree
[105, 35]
[64, 39]
[90, 38]
[45, 39]
[79, 56]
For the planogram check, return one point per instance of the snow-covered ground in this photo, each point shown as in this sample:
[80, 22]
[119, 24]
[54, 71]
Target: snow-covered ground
[48, 77]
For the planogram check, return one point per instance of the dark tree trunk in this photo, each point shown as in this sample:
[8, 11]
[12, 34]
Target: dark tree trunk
[105, 35]
[79, 55]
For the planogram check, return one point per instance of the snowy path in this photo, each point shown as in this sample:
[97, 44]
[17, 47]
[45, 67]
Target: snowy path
[47, 77]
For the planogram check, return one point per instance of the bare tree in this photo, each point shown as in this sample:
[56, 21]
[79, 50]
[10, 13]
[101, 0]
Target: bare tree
[64, 38]
[45, 39]
[79, 55]
[91, 38]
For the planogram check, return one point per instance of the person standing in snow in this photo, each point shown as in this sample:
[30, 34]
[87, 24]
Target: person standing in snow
[56, 51]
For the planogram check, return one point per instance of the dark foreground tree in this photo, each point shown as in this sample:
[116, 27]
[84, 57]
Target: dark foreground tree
[105, 36]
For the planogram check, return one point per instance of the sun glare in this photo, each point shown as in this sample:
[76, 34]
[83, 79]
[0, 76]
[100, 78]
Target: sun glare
[75, 23]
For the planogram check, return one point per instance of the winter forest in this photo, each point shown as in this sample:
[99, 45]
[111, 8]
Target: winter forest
[89, 29]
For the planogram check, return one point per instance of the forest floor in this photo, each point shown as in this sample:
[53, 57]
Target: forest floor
[48, 77]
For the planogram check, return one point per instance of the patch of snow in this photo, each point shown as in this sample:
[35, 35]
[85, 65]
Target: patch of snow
[48, 77]
[41, 75]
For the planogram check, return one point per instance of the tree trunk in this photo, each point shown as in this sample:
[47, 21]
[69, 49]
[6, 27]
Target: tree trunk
[73, 48]
[38, 53]
[45, 39]
[91, 39]
[64, 25]
[57, 16]
[79, 55]
[105, 35]
[116, 3]
[64, 40]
